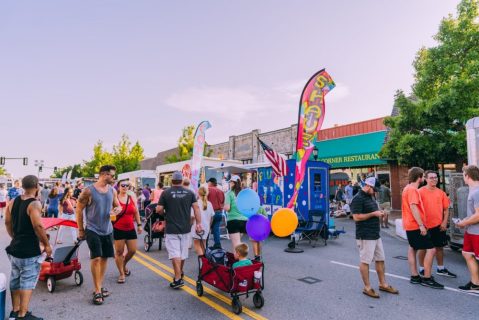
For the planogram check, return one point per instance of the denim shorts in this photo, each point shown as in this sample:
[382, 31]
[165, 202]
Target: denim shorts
[25, 273]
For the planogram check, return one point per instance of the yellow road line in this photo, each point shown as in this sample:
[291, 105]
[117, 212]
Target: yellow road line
[214, 305]
[221, 297]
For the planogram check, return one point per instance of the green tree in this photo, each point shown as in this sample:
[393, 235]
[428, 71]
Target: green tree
[3, 171]
[125, 157]
[430, 128]
[76, 171]
[100, 157]
[185, 146]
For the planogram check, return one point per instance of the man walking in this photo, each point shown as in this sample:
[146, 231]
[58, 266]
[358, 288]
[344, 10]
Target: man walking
[24, 225]
[367, 214]
[436, 209]
[384, 199]
[414, 223]
[176, 203]
[217, 199]
[98, 201]
[470, 250]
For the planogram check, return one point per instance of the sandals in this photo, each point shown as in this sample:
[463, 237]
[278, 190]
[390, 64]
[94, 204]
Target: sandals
[105, 293]
[371, 293]
[120, 280]
[97, 299]
[389, 289]
[127, 272]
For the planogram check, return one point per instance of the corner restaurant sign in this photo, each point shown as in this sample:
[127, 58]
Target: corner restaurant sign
[354, 160]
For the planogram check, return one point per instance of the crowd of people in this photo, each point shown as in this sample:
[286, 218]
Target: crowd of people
[106, 213]
[425, 216]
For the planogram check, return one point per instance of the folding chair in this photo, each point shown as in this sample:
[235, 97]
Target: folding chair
[314, 229]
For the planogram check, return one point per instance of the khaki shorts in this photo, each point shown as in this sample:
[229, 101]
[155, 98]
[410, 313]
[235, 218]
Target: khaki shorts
[177, 245]
[385, 206]
[370, 250]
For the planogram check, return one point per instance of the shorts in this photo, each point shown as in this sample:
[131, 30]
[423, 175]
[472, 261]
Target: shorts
[124, 235]
[25, 273]
[3, 204]
[419, 242]
[100, 246]
[385, 206]
[371, 250]
[236, 226]
[177, 245]
[471, 244]
[438, 237]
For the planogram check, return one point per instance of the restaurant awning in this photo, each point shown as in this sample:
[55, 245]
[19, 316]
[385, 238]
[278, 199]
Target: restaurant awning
[353, 151]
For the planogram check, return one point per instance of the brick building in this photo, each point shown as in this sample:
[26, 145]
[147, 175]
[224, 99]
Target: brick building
[350, 149]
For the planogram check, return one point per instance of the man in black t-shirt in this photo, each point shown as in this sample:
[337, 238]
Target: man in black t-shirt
[366, 213]
[176, 204]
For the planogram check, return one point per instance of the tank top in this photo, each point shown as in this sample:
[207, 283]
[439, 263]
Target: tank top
[25, 243]
[125, 222]
[68, 207]
[98, 211]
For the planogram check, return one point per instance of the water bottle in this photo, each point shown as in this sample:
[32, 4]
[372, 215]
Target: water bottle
[3, 294]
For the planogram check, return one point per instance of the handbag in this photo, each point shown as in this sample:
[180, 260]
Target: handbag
[118, 216]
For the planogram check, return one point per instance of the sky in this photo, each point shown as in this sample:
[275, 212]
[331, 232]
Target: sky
[75, 72]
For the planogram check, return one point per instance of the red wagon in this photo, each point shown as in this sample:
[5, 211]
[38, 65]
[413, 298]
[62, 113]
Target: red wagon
[237, 282]
[64, 261]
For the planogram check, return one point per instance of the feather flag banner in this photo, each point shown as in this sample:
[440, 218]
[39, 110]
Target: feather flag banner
[198, 148]
[312, 109]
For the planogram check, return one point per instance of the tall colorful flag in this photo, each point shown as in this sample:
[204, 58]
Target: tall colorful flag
[198, 148]
[312, 109]
[278, 163]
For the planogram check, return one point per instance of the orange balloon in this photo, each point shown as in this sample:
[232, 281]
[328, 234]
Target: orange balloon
[284, 222]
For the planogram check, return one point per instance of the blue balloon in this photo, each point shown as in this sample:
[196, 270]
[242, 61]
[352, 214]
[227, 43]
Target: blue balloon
[258, 227]
[248, 202]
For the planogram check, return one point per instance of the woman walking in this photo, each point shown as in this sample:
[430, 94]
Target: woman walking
[207, 213]
[236, 222]
[53, 203]
[67, 212]
[124, 230]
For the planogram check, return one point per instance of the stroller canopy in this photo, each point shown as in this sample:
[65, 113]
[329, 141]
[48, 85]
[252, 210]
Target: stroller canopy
[53, 222]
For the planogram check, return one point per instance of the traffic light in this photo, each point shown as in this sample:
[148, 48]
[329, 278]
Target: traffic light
[25, 161]
[40, 168]
[2, 161]
[55, 169]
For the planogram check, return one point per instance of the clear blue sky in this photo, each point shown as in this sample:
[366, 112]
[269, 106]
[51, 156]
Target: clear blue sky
[74, 72]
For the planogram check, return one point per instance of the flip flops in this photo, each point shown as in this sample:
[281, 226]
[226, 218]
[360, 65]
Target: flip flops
[127, 272]
[371, 293]
[120, 280]
[389, 289]
[97, 299]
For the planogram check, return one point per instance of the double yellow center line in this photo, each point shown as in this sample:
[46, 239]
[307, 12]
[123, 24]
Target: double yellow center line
[159, 268]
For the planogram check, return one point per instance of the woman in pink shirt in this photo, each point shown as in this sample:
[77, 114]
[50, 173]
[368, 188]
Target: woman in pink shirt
[156, 194]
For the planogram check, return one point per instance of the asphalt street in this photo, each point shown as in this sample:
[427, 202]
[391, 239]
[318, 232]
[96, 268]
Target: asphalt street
[331, 287]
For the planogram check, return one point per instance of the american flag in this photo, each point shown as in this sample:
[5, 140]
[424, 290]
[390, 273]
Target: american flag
[278, 163]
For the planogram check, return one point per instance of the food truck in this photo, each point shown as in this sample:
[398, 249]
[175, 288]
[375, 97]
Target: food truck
[140, 178]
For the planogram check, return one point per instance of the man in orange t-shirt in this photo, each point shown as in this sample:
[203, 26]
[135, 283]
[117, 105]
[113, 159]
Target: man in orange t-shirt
[413, 218]
[436, 206]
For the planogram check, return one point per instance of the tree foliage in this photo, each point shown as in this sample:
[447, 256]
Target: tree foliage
[430, 127]
[185, 146]
[3, 171]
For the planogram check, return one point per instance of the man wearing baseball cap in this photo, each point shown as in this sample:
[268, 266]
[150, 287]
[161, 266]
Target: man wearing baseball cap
[367, 215]
[176, 203]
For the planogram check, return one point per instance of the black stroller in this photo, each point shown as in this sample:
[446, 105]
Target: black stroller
[154, 227]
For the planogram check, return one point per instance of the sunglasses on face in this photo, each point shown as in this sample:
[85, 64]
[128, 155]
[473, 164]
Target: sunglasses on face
[125, 185]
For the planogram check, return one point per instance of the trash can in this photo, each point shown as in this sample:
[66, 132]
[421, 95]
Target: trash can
[3, 294]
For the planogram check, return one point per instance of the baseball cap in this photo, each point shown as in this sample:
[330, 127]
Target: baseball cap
[235, 178]
[177, 176]
[371, 181]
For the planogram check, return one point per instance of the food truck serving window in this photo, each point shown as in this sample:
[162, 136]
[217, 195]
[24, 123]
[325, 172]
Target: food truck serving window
[317, 182]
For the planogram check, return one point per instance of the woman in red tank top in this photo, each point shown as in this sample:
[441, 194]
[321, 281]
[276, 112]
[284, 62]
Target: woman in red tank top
[124, 230]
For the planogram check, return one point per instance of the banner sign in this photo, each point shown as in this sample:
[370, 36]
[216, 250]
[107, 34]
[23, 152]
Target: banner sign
[310, 119]
[269, 187]
[198, 148]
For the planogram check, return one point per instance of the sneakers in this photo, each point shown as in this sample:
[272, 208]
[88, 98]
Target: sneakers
[415, 280]
[29, 316]
[445, 273]
[431, 283]
[176, 284]
[470, 287]
[13, 315]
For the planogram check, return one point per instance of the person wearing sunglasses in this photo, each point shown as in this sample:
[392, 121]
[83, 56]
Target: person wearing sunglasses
[124, 231]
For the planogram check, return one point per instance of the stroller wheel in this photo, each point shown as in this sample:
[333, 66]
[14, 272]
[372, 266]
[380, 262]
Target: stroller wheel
[147, 243]
[78, 278]
[236, 305]
[199, 288]
[51, 284]
[258, 300]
